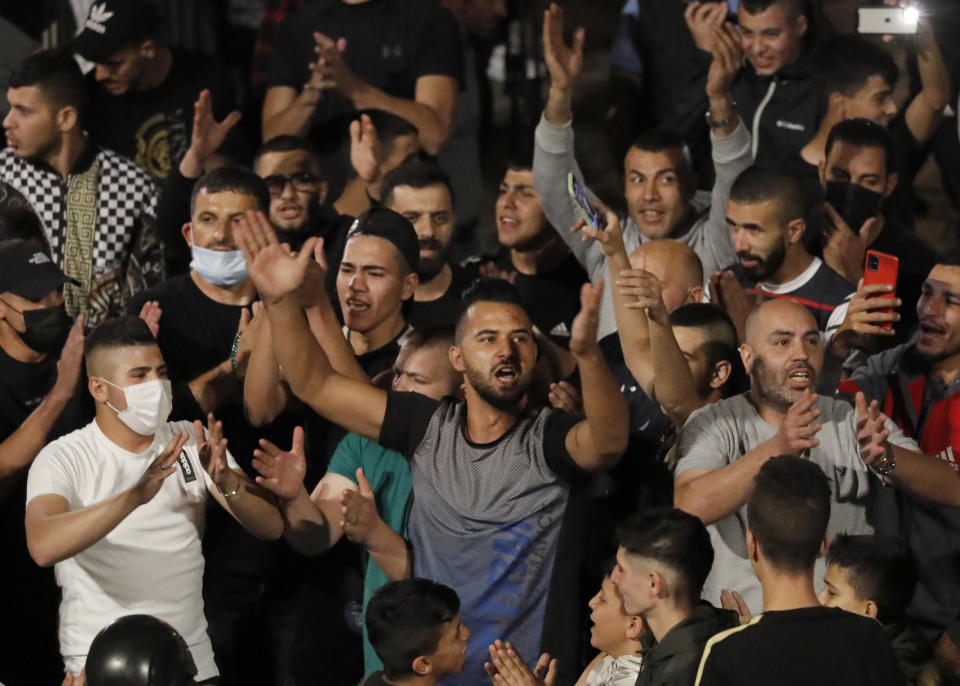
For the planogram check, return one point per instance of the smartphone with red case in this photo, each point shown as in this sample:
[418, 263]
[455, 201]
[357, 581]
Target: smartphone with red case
[881, 268]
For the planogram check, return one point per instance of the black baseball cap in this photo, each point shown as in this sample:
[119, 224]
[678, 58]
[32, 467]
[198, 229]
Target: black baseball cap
[26, 270]
[112, 24]
[392, 226]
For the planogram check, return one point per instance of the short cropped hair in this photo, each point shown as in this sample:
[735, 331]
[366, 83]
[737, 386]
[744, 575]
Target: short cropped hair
[121, 332]
[285, 143]
[721, 344]
[788, 512]
[429, 337]
[415, 174]
[660, 140]
[757, 184]
[845, 62]
[864, 133]
[56, 74]
[389, 127]
[405, 620]
[879, 568]
[675, 539]
[232, 178]
[794, 7]
[487, 289]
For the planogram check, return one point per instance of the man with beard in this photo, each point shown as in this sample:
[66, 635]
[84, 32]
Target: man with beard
[918, 384]
[724, 445]
[422, 193]
[766, 214]
[492, 477]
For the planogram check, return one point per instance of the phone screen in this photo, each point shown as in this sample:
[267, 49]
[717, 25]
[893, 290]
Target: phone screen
[579, 194]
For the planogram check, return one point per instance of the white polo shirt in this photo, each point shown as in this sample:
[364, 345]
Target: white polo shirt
[151, 563]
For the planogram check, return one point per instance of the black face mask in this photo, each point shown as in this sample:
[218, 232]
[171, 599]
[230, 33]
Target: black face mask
[855, 204]
[47, 328]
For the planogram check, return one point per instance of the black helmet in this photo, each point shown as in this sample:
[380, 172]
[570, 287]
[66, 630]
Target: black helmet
[139, 650]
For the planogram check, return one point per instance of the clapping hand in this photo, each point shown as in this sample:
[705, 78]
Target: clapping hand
[281, 471]
[800, 426]
[275, 272]
[872, 432]
[359, 509]
[212, 449]
[507, 667]
[162, 466]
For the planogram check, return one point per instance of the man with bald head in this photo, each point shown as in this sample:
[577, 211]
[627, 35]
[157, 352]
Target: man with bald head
[765, 214]
[723, 446]
[677, 268]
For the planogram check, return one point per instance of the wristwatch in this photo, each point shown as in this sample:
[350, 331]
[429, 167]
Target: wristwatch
[715, 124]
[886, 464]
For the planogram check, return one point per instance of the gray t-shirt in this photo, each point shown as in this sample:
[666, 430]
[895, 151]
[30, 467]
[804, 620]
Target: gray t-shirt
[486, 519]
[718, 434]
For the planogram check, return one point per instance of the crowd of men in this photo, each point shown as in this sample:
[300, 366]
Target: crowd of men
[271, 413]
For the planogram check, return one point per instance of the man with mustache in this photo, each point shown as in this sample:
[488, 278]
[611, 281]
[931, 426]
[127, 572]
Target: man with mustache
[918, 384]
[766, 213]
[422, 193]
[723, 446]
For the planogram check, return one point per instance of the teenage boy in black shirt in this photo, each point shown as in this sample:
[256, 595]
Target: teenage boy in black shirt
[38, 401]
[795, 640]
[142, 91]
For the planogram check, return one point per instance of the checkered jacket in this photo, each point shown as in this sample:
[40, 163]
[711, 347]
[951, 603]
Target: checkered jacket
[127, 255]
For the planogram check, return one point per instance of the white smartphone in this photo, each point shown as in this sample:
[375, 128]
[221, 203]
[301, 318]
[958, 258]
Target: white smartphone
[887, 20]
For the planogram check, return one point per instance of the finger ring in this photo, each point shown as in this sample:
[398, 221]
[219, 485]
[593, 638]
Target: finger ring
[352, 518]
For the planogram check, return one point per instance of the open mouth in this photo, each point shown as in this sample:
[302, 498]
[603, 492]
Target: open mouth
[357, 305]
[930, 331]
[290, 211]
[507, 374]
[652, 215]
[800, 377]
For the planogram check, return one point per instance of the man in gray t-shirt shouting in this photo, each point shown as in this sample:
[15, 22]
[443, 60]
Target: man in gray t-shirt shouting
[492, 476]
[722, 446]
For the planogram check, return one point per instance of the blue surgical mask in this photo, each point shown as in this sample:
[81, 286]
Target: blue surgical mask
[219, 267]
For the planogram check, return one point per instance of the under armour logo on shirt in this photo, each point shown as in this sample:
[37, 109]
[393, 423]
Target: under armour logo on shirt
[98, 17]
[391, 51]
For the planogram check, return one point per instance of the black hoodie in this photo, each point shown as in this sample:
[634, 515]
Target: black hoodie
[675, 659]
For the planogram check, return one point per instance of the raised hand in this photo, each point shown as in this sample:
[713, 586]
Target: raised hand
[281, 471]
[866, 317]
[727, 292]
[507, 667]
[365, 150]
[334, 72]
[163, 465]
[610, 238]
[313, 290]
[359, 510]
[208, 133]
[872, 432]
[734, 601]
[150, 313]
[565, 62]
[212, 449]
[727, 57]
[275, 272]
[647, 292]
[564, 396]
[702, 18]
[800, 426]
[583, 331]
[70, 363]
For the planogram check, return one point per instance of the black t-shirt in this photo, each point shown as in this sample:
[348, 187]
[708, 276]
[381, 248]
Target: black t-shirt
[814, 645]
[390, 44]
[908, 157]
[551, 297]
[195, 335]
[443, 310]
[153, 126]
[28, 631]
[376, 679]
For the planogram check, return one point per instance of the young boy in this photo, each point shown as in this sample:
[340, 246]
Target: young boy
[875, 576]
[616, 635]
[414, 627]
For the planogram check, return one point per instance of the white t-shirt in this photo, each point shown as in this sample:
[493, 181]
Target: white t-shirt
[151, 563]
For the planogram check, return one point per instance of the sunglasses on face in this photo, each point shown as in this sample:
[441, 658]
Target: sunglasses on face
[305, 182]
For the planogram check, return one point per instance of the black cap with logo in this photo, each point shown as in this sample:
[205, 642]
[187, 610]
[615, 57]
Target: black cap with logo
[112, 24]
[392, 226]
[26, 270]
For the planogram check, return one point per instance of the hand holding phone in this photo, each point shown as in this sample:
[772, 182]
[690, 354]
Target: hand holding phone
[887, 20]
[578, 194]
[880, 268]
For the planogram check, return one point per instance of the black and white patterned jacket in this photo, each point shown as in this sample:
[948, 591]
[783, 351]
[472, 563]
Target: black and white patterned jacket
[127, 255]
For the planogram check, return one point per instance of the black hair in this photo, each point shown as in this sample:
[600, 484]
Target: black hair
[845, 62]
[416, 174]
[120, 332]
[487, 289]
[520, 160]
[788, 512]
[794, 7]
[661, 140]
[232, 178]
[58, 77]
[721, 344]
[864, 133]
[389, 127]
[405, 620]
[285, 143]
[757, 184]
[879, 568]
[674, 539]
[429, 337]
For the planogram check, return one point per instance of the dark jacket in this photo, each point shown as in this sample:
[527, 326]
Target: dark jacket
[675, 659]
[912, 650]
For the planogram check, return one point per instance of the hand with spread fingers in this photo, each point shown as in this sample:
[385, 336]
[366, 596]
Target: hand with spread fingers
[359, 510]
[281, 471]
[163, 465]
[212, 449]
[565, 62]
[872, 432]
[798, 431]
[275, 272]
[507, 667]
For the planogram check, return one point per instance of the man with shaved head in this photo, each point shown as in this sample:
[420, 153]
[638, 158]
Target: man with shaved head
[676, 266]
[723, 446]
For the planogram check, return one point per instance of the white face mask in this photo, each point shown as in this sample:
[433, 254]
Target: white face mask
[219, 267]
[148, 405]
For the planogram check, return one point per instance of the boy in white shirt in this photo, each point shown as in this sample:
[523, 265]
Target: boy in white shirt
[102, 506]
